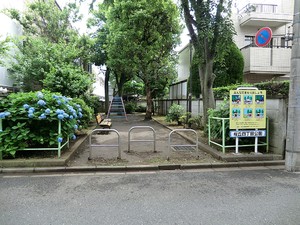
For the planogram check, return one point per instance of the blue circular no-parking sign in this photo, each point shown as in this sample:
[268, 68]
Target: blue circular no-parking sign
[263, 36]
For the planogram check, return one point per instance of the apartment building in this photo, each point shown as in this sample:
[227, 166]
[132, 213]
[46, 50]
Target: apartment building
[261, 63]
[273, 60]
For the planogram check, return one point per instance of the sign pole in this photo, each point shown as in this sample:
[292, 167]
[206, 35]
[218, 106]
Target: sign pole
[236, 144]
[256, 144]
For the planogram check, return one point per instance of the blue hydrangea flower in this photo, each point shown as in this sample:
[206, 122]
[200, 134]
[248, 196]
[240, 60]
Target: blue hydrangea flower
[71, 117]
[2, 115]
[55, 96]
[80, 114]
[48, 111]
[60, 116]
[40, 95]
[74, 137]
[26, 106]
[66, 115]
[42, 116]
[65, 99]
[31, 110]
[75, 126]
[58, 102]
[41, 103]
[60, 139]
[30, 115]
[60, 111]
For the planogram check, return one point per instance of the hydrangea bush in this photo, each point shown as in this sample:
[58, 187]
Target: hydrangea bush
[31, 120]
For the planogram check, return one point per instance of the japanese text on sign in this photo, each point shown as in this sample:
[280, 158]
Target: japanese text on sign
[248, 133]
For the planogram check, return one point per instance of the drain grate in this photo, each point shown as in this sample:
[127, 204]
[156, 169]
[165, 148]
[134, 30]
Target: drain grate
[184, 148]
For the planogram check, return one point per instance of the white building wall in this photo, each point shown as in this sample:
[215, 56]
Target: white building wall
[99, 78]
[183, 69]
[8, 27]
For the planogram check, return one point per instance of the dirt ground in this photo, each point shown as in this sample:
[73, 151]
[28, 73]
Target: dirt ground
[142, 149]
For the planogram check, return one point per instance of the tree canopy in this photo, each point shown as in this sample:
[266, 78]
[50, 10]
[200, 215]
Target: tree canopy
[142, 35]
[50, 50]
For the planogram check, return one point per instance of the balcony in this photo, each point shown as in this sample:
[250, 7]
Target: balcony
[273, 59]
[261, 15]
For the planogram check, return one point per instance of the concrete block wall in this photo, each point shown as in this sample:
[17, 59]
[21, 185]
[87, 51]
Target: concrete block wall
[277, 113]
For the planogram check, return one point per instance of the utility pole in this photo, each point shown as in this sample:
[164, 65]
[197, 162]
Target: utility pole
[292, 161]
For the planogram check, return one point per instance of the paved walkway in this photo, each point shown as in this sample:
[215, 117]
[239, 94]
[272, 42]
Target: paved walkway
[141, 153]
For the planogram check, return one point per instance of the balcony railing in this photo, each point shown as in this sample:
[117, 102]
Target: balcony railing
[276, 42]
[259, 8]
[267, 60]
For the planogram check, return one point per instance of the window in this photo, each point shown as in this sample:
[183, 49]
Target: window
[249, 40]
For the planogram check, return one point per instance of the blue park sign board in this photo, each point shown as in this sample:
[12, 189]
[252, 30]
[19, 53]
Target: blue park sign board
[263, 36]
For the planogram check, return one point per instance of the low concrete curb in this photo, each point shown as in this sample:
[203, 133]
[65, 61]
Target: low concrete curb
[139, 168]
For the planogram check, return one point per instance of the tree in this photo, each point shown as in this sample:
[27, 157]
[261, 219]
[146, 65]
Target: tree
[140, 41]
[230, 69]
[100, 37]
[211, 30]
[292, 162]
[51, 51]
[45, 19]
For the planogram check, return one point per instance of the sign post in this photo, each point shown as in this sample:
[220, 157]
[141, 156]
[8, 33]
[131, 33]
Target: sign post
[247, 114]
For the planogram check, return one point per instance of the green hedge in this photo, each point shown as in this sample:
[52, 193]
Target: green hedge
[273, 89]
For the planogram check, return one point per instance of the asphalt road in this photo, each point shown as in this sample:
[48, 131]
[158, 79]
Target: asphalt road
[236, 196]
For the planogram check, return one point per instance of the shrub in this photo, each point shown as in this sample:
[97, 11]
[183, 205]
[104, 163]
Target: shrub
[176, 112]
[140, 108]
[273, 88]
[68, 80]
[130, 107]
[93, 102]
[196, 121]
[87, 112]
[31, 120]
[222, 111]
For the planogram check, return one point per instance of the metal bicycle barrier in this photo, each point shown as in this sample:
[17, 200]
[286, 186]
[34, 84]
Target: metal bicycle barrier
[149, 140]
[102, 145]
[186, 145]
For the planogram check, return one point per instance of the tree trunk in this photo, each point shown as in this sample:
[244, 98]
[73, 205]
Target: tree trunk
[206, 81]
[292, 161]
[149, 108]
[106, 89]
[120, 83]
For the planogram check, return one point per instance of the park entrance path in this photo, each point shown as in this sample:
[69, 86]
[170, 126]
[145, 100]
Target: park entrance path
[141, 153]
